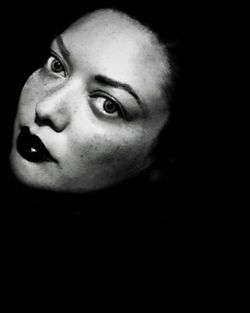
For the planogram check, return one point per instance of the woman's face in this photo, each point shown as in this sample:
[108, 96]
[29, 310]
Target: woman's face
[90, 116]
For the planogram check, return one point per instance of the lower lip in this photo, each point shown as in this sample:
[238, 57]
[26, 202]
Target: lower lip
[30, 153]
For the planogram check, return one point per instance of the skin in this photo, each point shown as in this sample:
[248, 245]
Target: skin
[63, 103]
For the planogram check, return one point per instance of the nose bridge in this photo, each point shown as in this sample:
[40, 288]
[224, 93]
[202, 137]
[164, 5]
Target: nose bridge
[52, 110]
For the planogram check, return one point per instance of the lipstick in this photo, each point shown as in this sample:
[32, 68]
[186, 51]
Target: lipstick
[31, 147]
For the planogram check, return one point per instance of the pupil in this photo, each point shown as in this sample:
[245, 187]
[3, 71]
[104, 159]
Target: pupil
[109, 106]
[57, 65]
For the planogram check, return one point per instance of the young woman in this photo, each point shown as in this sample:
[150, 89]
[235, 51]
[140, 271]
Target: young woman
[92, 131]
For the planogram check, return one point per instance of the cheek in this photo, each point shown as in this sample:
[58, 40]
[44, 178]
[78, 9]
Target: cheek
[111, 151]
[97, 161]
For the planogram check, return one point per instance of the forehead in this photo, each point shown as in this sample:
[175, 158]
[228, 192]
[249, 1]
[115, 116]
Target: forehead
[109, 23]
[119, 46]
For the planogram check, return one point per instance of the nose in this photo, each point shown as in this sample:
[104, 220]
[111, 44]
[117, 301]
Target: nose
[53, 111]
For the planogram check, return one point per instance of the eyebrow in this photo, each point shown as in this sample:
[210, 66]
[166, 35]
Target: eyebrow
[114, 83]
[65, 52]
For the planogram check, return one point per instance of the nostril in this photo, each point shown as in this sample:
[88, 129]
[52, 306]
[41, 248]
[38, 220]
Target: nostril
[44, 122]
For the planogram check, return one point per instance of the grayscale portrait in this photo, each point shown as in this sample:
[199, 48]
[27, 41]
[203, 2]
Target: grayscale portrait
[111, 113]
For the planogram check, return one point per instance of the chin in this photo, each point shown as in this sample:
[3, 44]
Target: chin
[25, 173]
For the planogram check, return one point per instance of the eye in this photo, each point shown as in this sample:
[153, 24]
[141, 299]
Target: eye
[110, 106]
[55, 65]
[107, 106]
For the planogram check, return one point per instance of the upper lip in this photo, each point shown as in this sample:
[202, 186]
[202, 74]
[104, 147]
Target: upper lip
[36, 142]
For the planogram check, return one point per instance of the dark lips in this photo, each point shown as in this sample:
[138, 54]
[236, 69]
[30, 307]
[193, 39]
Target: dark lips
[32, 148]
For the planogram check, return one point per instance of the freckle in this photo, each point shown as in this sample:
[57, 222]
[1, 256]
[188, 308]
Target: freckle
[81, 155]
